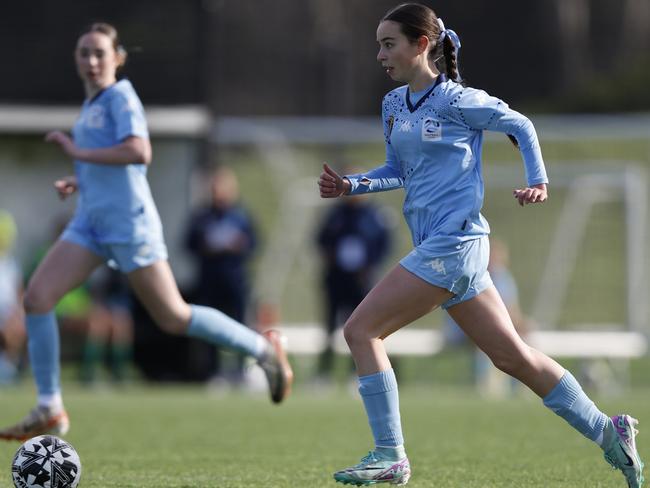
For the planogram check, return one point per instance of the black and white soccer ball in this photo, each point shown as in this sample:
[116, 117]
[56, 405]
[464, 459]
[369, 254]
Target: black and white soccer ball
[46, 462]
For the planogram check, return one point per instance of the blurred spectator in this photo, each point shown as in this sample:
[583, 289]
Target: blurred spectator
[353, 239]
[12, 326]
[221, 237]
[504, 281]
[110, 326]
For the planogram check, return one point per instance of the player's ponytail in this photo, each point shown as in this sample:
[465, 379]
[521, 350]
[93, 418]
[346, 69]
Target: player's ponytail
[450, 47]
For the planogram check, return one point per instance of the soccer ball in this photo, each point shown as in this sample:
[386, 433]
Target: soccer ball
[46, 462]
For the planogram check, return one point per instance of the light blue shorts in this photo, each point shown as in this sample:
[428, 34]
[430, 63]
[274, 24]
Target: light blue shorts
[460, 268]
[125, 257]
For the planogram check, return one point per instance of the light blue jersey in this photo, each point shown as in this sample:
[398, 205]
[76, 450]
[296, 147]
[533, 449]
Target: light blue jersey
[433, 150]
[116, 217]
[115, 201]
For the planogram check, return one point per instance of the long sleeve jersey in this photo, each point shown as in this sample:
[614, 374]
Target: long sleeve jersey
[433, 151]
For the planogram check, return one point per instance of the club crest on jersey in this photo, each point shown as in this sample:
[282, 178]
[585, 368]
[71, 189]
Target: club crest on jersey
[389, 126]
[431, 130]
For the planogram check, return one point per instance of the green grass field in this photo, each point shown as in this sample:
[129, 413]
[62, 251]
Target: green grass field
[186, 437]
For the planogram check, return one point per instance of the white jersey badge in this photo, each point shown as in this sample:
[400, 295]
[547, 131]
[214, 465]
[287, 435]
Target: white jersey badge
[431, 130]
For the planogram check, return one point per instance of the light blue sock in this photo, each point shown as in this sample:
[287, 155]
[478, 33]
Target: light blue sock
[217, 328]
[572, 404]
[381, 399]
[43, 347]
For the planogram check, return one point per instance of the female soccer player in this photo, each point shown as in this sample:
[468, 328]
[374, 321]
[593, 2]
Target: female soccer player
[433, 127]
[116, 220]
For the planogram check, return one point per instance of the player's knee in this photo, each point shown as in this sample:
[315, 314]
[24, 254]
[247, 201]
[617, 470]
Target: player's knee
[355, 333]
[37, 301]
[173, 320]
[512, 362]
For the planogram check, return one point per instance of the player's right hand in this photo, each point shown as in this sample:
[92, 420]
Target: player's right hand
[66, 186]
[532, 194]
[331, 185]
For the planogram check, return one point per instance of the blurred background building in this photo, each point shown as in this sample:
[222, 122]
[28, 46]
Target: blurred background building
[317, 57]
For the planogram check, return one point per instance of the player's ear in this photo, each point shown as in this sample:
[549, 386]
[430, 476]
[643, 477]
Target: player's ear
[423, 44]
[121, 55]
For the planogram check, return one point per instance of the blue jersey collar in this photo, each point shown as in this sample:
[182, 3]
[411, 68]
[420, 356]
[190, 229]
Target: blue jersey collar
[412, 108]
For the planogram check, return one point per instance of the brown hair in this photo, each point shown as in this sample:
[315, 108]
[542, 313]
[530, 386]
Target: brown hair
[418, 20]
[109, 31]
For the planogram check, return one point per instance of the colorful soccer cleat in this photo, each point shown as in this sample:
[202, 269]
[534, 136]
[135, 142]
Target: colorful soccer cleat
[276, 367]
[374, 469]
[620, 449]
[41, 420]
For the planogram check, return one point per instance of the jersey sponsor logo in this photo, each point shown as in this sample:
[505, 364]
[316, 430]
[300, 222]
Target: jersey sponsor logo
[431, 130]
[438, 265]
[94, 118]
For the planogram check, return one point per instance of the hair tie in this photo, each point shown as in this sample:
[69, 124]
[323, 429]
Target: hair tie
[444, 32]
[455, 41]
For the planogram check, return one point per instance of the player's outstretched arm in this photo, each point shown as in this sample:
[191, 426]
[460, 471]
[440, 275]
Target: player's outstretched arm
[531, 194]
[132, 150]
[331, 185]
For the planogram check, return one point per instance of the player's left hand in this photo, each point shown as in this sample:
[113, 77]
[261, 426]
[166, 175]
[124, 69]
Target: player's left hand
[331, 184]
[533, 194]
[63, 140]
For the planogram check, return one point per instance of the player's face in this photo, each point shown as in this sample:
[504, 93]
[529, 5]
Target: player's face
[397, 55]
[97, 60]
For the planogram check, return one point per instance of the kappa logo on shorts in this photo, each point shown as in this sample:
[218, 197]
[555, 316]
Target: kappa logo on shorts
[143, 256]
[437, 265]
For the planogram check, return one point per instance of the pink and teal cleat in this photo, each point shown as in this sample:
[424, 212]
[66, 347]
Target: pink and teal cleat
[620, 449]
[374, 469]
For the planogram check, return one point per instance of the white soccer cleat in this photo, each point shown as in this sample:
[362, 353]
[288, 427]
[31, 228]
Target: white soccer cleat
[374, 469]
[276, 367]
[40, 421]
